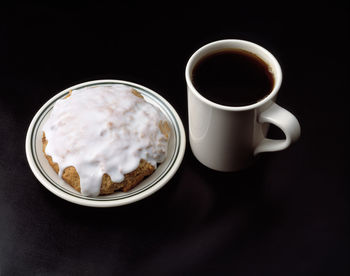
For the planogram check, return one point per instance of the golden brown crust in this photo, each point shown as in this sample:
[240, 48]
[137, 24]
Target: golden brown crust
[68, 95]
[131, 180]
[163, 126]
[136, 93]
[164, 129]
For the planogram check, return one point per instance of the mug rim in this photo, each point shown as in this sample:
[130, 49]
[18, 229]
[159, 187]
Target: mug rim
[242, 45]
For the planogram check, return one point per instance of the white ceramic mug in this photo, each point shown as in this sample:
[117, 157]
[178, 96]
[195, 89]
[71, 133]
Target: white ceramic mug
[227, 138]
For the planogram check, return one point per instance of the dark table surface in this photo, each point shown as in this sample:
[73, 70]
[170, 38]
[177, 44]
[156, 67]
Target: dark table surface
[288, 214]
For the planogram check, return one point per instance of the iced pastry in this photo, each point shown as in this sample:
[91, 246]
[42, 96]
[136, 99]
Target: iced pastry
[105, 138]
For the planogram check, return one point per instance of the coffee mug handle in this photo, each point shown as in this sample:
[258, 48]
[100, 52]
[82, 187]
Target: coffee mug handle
[283, 119]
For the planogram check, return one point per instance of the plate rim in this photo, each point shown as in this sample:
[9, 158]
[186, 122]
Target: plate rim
[113, 202]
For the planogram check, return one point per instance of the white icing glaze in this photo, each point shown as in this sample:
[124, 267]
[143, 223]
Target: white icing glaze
[104, 130]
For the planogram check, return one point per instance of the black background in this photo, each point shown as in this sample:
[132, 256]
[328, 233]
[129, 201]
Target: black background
[286, 215]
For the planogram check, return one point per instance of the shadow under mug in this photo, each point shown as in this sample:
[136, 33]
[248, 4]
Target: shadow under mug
[227, 138]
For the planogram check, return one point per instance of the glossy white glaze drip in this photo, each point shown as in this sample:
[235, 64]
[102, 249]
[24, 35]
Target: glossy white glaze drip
[104, 130]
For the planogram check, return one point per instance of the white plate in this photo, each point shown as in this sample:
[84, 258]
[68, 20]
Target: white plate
[47, 176]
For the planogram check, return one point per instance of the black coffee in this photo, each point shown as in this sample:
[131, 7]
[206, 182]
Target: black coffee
[233, 77]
